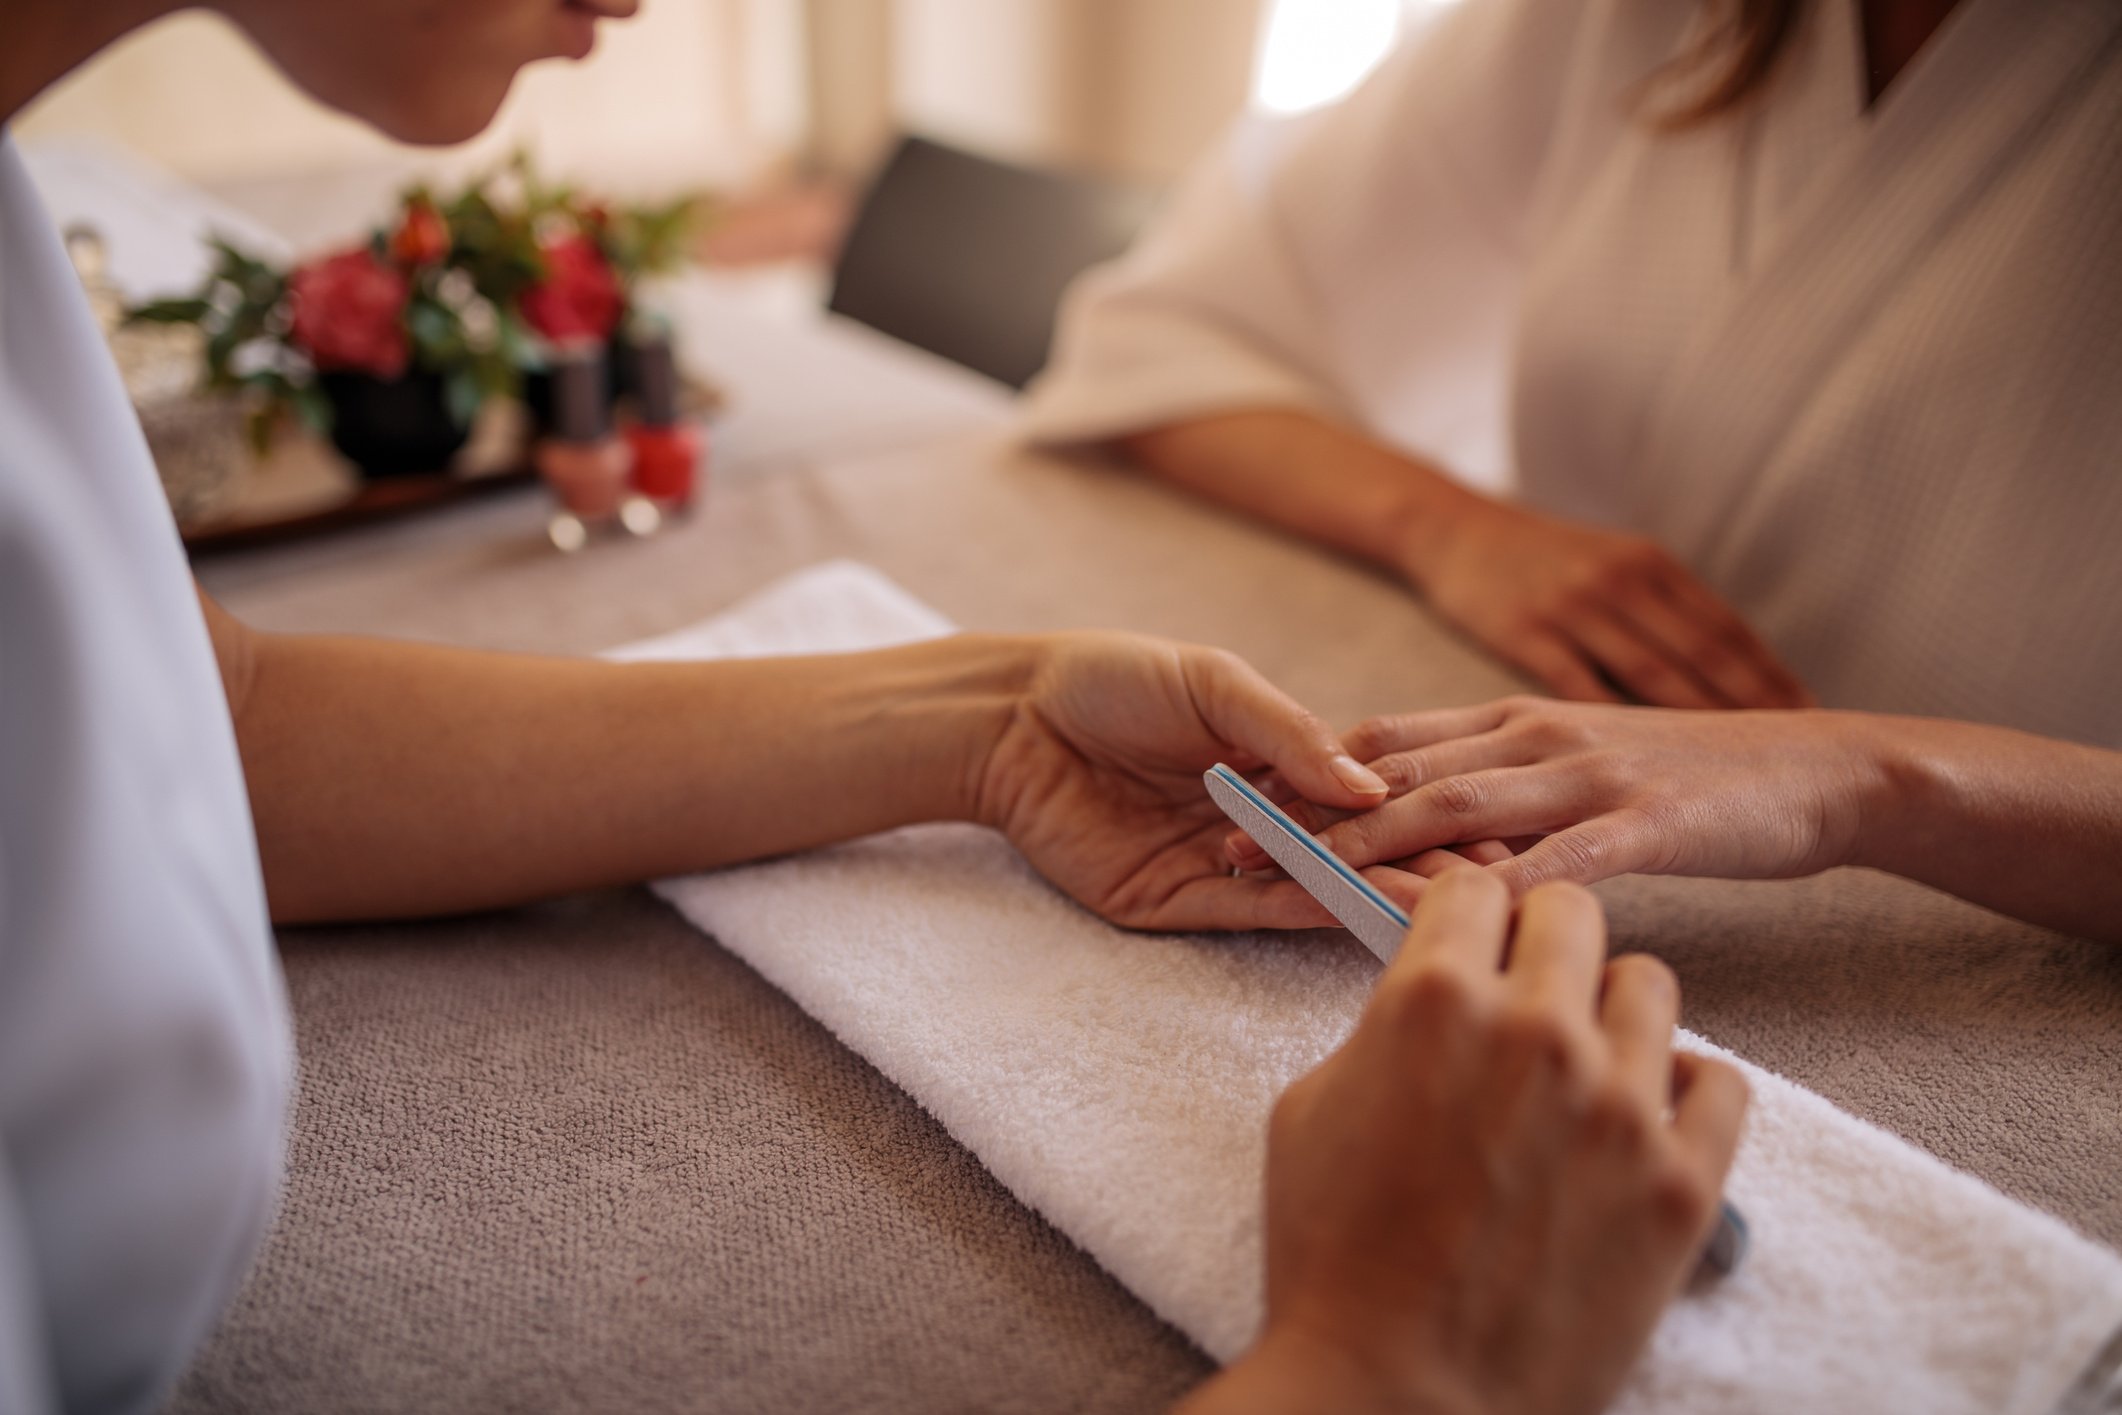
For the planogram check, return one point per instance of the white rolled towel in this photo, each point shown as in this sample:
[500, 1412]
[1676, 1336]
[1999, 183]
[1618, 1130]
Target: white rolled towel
[1119, 1084]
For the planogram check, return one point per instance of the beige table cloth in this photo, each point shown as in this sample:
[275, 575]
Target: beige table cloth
[576, 1156]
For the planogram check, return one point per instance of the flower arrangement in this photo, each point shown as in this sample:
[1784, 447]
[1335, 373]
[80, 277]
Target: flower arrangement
[455, 300]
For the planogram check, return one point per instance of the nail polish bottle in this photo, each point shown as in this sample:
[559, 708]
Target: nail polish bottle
[579, 459]
[666, 449]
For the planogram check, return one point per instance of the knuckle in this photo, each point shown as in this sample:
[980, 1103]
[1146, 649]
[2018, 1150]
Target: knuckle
[1643, 973]
[1616, 1119]
[1680, 1197]
[1401, 773]
[1424, 999]
[1539, 1038]
[1550, 731]
[1457, 795]
[1611, 579]
[1372, 737]
[1577, 853]
[1608, 776]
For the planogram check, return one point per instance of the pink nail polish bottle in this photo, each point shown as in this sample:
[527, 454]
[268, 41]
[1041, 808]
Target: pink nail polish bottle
[578, 460]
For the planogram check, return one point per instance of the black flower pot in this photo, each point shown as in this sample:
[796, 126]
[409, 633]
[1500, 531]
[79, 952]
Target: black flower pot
[393, 428]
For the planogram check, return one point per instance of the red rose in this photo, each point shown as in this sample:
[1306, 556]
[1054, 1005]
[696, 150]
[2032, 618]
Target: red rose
[349, 314]
[422, 238]
[579, 298]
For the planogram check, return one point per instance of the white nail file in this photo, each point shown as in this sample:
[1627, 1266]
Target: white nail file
[1380, 924]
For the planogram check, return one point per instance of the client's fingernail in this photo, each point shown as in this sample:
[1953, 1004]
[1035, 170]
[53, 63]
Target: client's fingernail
[1358, 777]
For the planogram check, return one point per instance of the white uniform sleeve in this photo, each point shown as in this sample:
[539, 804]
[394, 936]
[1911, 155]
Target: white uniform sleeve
[1362, 261]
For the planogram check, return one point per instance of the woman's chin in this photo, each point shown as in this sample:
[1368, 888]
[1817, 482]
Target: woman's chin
[459, 114]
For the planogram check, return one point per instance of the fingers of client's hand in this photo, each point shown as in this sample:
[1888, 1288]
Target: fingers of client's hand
[1694, 628]
[1637, 661]
[1482, 805]
[1242, 708]
[1724, 647]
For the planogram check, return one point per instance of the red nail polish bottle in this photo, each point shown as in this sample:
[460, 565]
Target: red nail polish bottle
[667, 450]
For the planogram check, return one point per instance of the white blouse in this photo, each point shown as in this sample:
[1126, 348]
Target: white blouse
[144, 1050]
[1859, 367]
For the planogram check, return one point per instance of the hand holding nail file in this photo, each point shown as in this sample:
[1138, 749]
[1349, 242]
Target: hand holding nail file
[1380, 924]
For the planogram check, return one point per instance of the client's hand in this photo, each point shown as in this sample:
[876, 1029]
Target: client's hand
[1585, 611]
[1483, 1202]
[1591, 792]
[1097, 779]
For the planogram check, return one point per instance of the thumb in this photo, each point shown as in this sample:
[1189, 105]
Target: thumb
[1246, 711]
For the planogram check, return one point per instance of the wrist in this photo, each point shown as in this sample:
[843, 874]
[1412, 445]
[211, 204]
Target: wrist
[1433, 513]
[944, 709]
[1908, 785]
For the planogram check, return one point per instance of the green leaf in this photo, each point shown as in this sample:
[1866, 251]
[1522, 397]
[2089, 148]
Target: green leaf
[313, 408]
[192, 309]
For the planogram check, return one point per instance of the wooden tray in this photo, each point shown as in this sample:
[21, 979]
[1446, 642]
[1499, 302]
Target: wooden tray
[304, 488]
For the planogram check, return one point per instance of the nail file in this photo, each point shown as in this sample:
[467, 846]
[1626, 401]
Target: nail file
[1380, 925]
[1375, 920]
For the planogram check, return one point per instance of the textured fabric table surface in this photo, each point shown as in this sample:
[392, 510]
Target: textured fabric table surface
[578, 1157]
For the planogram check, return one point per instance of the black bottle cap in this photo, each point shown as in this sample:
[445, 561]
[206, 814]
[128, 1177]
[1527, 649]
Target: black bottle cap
[582, 395]
[656, 381]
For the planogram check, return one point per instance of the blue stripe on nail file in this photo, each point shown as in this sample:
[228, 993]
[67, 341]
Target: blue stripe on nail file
[1380, 924]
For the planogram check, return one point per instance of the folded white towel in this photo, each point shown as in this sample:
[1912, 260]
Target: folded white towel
[1119, 1083]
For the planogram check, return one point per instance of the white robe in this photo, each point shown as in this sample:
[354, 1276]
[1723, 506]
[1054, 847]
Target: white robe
[1859, 368]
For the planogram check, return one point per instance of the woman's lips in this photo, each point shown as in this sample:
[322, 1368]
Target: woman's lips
[578, 23]
[578, 28]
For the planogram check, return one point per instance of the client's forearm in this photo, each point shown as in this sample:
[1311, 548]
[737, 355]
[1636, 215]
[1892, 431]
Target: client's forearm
[1299, 471]
[2025, 825]
[392, 779]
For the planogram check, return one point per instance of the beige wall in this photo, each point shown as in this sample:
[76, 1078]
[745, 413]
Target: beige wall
[700, 91]
[1131, 87]
[693, 90]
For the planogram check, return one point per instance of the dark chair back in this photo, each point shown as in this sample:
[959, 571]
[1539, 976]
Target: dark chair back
[967, 257]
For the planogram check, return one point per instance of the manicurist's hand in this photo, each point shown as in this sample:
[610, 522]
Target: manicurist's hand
[1096, 777]
[1588, 612]
[1483, 1202]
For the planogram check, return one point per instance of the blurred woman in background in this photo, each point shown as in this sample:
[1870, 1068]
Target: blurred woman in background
[1793, 327]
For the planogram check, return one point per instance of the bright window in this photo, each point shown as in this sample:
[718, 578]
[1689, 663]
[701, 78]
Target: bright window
[1313, 52]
